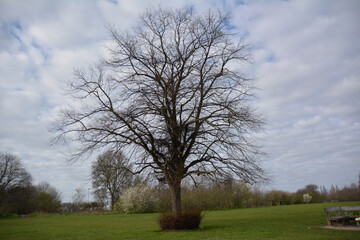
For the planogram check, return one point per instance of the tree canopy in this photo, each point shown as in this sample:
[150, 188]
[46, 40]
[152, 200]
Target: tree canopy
[110, 174]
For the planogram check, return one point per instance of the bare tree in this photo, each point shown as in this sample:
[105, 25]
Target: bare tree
[45, 187]
[110, 175]
[310, 188]
[173, 93]
[101, 196]
[12, 174]
[79, 196]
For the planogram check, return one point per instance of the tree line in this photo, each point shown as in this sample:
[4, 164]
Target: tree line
[115, 187]
[228, 194]
[17, 192]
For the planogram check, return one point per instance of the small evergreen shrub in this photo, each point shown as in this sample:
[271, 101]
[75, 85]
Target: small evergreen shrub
[186, 221]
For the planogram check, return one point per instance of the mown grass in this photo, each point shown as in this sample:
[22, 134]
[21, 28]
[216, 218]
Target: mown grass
[284, 222]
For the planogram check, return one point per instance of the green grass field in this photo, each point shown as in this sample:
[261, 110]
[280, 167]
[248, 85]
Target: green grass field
[284, 222]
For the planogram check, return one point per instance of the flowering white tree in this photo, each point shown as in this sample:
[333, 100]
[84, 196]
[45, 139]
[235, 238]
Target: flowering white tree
[136, 199]
[307, 198]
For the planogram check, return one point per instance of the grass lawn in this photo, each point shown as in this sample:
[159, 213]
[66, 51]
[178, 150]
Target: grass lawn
[284, 222]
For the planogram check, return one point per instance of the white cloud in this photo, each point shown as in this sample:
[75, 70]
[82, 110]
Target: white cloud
[307, 59]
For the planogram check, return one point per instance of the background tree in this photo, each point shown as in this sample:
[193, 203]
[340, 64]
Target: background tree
[101, 196]
[79, 197]
[16, 189]
[47, 199]
[47, 188]
[323, 194]
[171, 92]
[12, 175]
[19, 200]
[312, 190]
[111, 174]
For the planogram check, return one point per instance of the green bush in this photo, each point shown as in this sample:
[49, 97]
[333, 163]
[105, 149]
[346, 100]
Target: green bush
[186, 221]
[46, 202]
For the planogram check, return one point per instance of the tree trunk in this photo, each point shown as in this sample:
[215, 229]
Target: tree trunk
[112, 200]
[175, 190]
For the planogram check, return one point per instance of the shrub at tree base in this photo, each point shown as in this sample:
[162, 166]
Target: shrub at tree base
[186, 221]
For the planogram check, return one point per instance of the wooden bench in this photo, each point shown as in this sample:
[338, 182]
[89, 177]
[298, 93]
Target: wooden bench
[343, 215]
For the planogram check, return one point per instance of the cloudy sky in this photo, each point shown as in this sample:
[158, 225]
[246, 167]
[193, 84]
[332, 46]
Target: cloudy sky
[306, 59]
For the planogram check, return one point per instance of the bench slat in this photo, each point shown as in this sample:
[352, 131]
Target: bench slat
[337, 217]
[332, 209]
[352, 208]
